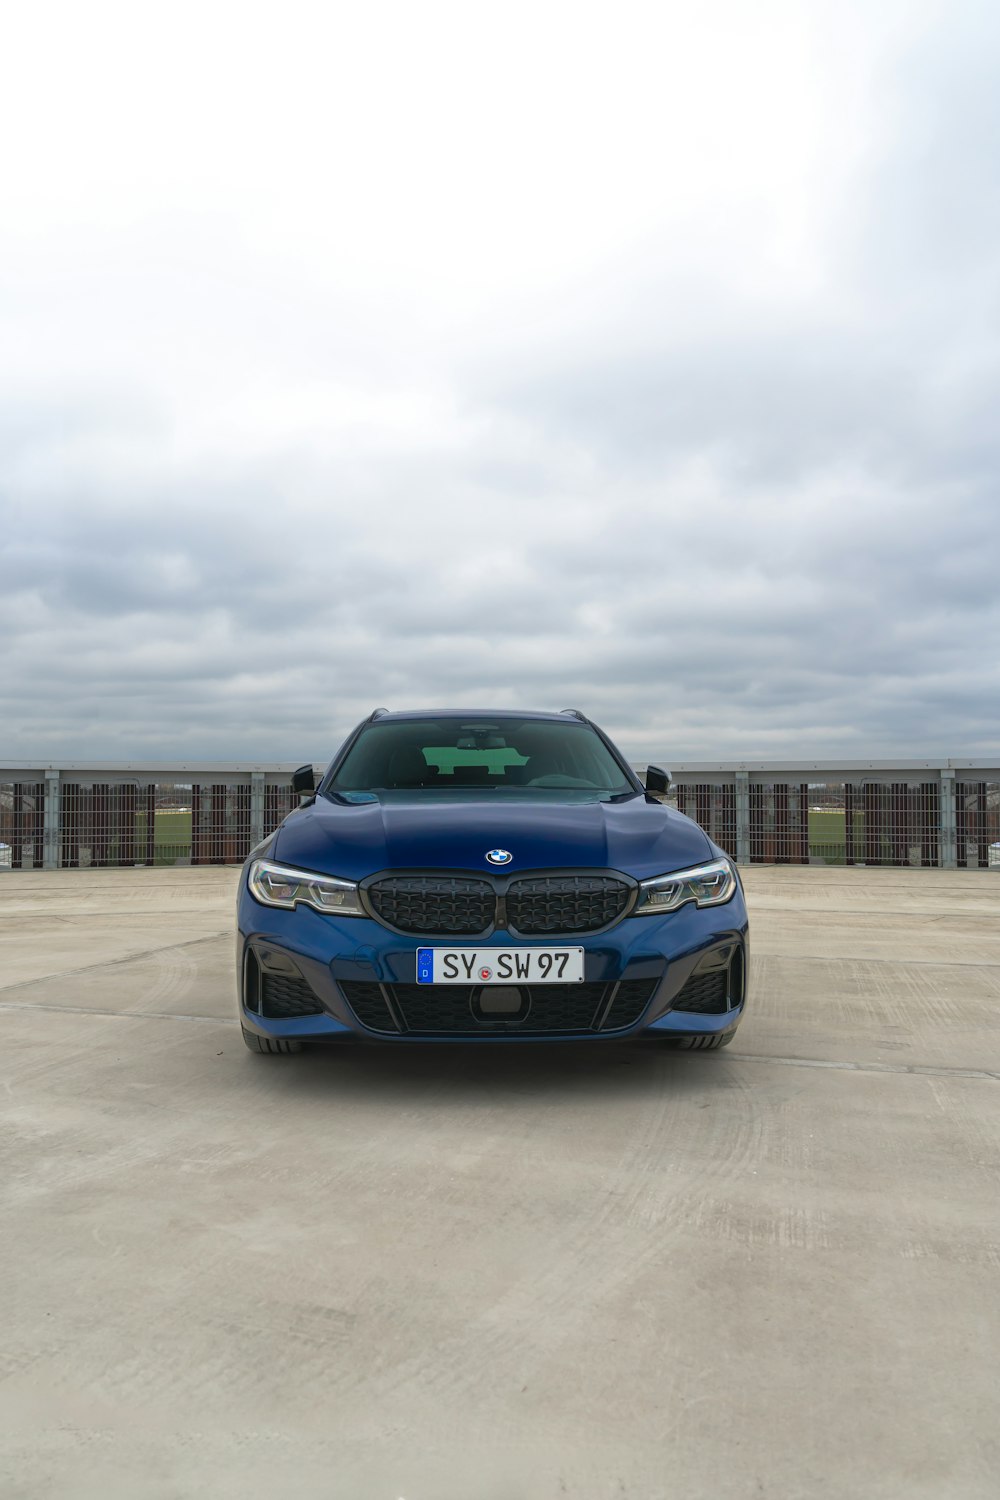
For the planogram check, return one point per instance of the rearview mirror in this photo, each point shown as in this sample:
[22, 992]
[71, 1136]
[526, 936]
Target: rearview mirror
[657, 780]
[304, 781]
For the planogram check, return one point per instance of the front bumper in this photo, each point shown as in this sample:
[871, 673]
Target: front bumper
[334, 958]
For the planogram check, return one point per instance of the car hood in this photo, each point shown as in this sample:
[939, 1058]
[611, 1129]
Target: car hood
[639, 837]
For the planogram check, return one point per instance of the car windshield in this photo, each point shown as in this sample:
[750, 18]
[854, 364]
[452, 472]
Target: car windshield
[533, 755]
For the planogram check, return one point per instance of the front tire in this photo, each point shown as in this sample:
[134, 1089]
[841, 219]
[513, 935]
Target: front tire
[269, 1045]
[705, 1043]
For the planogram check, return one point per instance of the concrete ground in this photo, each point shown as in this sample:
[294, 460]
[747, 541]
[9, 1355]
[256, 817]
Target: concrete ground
[502, 1274]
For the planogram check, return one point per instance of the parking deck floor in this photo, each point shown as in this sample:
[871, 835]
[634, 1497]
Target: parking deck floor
[502, 1274]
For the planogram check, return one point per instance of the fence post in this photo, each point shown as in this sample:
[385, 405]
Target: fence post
[742, 817]
[257, 780]
[50, 823]
[947, 827]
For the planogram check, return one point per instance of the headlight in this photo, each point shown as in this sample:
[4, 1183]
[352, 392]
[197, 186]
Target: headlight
[705, 885]
[278, 885]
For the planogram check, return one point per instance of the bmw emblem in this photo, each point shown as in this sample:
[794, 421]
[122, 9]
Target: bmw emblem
[499, 856]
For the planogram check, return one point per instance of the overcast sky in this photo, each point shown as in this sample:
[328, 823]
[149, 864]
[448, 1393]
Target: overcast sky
[637, 358]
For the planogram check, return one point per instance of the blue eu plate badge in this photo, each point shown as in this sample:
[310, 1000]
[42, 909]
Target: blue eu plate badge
[425, 965]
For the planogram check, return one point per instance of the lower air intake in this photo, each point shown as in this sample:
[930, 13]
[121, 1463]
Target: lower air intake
[456, 1010]
[284, 995]
[368, 1003]
[630, 1000]
[705, 994]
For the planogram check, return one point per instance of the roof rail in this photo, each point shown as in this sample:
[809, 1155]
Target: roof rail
[574, 713]
[377, 713]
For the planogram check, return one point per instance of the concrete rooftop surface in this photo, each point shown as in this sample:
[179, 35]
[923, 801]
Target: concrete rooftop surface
[511, 1273]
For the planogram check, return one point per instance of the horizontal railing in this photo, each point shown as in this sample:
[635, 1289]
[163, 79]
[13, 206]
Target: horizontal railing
[927, 814]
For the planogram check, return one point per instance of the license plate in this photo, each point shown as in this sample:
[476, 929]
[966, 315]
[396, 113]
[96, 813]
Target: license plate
[499, 965]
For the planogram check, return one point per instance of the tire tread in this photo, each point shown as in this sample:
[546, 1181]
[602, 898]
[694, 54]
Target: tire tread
[711, 1042]
[269, 1045]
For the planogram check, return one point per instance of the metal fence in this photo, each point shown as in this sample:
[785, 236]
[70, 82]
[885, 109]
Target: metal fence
[87, 816]
[870, 813]
[916, 813]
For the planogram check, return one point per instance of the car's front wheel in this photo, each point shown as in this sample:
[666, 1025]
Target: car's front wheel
[269, 1044]
[708, 1043]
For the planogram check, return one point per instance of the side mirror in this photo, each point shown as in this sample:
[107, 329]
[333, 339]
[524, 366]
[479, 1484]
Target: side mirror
[657, 780]
[304, 781]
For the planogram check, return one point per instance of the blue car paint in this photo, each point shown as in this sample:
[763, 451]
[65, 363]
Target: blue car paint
[454, 831]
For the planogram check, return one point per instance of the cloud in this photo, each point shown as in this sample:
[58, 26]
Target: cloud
[649, 369]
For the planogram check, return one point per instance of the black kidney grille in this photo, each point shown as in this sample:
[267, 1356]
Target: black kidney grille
[287, 995]
[426, 903]
[705, 994]
[631, 999]
[565, 903]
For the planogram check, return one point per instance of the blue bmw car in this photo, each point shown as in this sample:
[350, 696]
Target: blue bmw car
[494, 877]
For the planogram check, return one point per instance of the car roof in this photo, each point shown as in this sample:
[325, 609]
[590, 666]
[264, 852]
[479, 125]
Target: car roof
[568, 717]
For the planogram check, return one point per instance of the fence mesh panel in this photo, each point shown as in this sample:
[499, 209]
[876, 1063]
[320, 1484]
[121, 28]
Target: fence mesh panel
[779, 823]
[857, 822]
[846, 823]
[163, 823]
[22, 824]
[892, 823]
[713, 805]
[977, 824]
